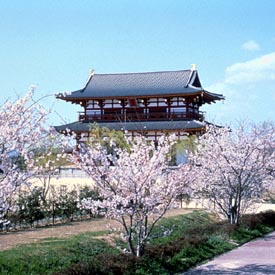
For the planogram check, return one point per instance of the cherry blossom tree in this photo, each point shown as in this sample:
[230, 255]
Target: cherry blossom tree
[21, 128]
[135, 183]
[235, 167]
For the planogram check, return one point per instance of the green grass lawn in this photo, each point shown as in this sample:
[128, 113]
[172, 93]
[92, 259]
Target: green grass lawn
[177, 244]
[52, 254]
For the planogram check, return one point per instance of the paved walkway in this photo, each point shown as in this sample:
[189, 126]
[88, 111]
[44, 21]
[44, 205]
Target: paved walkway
[256, 257]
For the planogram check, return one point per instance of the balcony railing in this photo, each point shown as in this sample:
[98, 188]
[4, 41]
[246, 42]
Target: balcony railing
[154, 116]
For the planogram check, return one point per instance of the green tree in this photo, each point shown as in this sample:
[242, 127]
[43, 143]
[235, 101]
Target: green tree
[103, 136]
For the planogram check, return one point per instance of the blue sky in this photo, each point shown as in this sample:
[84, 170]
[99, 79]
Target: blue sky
[54, 44]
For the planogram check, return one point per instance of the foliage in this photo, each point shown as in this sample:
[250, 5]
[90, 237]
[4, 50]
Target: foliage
[193, 238]
[134, 183]
[103, 135]
[31, 208]
[235, 168]
[67, 204]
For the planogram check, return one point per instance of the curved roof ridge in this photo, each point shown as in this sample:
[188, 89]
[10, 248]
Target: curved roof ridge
[149, 72]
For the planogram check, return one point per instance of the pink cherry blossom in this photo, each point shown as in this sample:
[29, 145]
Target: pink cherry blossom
[22, 127]
[234, 167]
[136, 185]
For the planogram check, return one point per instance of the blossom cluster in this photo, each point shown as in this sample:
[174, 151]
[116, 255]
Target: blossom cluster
[21, 129]
[234, 168]
[135, 183]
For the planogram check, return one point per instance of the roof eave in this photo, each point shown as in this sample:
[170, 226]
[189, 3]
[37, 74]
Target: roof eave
[212, 96]
[82, 97]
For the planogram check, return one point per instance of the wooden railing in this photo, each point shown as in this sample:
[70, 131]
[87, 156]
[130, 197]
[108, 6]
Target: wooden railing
[142, 117]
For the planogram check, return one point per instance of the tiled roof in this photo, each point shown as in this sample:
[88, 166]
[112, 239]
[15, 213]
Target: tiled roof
[138, 84]
[135, 126]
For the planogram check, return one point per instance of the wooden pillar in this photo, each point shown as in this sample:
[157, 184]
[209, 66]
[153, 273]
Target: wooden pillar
[187, 107]
[123, 104]
[168, 102]
[101, 105]
[145, 103]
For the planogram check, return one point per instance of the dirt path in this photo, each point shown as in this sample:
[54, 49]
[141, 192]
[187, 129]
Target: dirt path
[11, 239]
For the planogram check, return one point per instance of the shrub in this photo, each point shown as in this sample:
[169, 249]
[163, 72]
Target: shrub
[166, 254]
[268, 218]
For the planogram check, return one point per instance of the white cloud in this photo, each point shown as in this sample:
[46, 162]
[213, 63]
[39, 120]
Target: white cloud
[251, 45]
[258, 69]
[249, 90]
